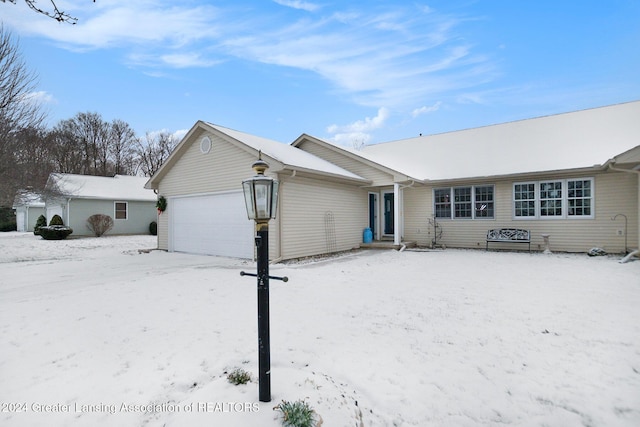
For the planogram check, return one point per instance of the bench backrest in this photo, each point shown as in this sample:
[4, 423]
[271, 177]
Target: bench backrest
[508, 234]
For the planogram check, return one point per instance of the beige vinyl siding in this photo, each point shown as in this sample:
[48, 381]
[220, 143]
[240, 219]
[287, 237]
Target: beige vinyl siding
[417, 212]
[223, 168]
[358, 167]
[614, 193]
[304, 206]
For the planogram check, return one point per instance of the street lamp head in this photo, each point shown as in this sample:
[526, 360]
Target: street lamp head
[260, 194]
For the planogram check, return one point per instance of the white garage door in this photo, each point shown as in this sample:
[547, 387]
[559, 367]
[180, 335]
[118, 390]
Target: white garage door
[212, 225]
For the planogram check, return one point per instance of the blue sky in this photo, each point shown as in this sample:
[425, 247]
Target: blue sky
[353, 72]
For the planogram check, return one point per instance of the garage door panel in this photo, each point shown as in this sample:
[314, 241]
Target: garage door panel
[212, 225]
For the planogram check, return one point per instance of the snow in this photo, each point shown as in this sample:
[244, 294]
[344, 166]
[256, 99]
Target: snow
[98, 333]
[550, 143]
[118, 187]
[286, 154]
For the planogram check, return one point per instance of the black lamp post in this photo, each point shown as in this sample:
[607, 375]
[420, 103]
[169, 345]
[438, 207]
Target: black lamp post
[261, 199]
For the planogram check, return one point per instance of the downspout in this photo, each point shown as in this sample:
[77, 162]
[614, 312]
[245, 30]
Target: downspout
[637, 172]
[67, 212]
[279, 219]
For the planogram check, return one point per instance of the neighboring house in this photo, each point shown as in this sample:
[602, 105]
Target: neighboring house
[28, 206]
[565, 175]
[76, 197]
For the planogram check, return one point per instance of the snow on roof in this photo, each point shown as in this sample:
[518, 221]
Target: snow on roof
[118, 187]
[28, 198]
[565, 141]
[287, 154]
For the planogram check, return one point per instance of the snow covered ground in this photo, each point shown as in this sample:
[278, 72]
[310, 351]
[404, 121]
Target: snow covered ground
[95, 333]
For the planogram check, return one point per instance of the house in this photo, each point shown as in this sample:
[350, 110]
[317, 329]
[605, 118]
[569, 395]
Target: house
[28, 206]
[559, 175]
[76, 197]
[321, 207]
[566, 175]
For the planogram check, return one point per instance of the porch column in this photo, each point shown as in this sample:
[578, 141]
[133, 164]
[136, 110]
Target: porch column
[396, 214]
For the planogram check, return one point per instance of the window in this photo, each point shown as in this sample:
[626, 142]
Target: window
[484, 201]
[462, 202]
[468, 202]
[442, 200]
[121, 210]
[524, 200]
[572, 198]
[551, 198]
[579, 198]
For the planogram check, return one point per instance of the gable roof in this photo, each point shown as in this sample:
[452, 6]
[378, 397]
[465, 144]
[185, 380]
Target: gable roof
[352, 154]
[573, 140]
[28, 198]
[118, 187]
[286, 157]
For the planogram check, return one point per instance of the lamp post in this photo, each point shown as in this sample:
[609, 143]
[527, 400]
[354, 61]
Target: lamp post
[261, 199]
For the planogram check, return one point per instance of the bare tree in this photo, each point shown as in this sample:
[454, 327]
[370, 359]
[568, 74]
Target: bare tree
[155, 150]
[91, 132]
[18, 108]
[122, 144]
[18, 111]
[53, 12]
[66, 150]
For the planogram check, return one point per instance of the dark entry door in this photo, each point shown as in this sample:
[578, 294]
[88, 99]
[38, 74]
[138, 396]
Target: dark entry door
[373, 208]
[388, 213]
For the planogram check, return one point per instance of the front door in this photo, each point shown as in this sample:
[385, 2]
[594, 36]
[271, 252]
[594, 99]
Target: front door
[388, 213]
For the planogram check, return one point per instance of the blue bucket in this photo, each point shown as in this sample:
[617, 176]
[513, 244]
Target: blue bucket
[367, 235]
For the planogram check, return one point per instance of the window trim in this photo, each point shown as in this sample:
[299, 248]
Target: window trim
[564, 200]
[452, 203]
[115, 211]
[535, 201]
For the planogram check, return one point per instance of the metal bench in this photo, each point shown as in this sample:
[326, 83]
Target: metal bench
[509, 235]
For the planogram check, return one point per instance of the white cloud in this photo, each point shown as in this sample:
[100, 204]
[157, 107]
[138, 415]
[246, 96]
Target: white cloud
[39, 97]
[396, 56]
[179, 134]
[299, 4]
[424, 109]
[116, 24]
[358, 133]
[187, 60]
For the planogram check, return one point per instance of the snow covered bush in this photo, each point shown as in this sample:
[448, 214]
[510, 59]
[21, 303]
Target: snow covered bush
[55, 232]
[239, 376]
[153, 228]
[40, 222]
[296, 414]
[56, 220]
[99, 224]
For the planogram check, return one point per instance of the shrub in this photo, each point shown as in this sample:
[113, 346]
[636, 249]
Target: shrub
[99, 224]
[56, 220]
[8, 226]
[7, 219]
[55, 232]
[239, 376]
[296, 414]
[40, 222]
[153, 228]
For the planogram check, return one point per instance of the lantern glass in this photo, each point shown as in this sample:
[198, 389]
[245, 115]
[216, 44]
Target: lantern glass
[261, 197]
[247, 187]
[274, 198]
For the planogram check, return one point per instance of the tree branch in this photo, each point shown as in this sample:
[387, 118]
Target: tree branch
[57, 14]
